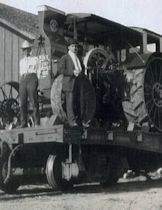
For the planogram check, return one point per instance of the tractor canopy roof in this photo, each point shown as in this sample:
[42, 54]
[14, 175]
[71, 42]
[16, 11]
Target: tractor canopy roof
[101, 30]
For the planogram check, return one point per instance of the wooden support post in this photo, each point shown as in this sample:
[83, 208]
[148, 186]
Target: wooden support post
[144, 42]
[160, 40]
[158, 45]
[70, 153]
[75, 36]
[85, 43]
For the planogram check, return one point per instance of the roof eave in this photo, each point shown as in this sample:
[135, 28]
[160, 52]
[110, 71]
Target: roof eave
[17, 30]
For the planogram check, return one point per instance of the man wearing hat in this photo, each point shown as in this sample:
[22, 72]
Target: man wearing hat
[28, 84]
[70, 67]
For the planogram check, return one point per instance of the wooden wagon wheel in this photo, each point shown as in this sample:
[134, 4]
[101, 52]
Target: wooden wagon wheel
[9, 94]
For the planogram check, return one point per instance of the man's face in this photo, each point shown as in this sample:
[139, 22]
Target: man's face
[73, 48]
[27, 51]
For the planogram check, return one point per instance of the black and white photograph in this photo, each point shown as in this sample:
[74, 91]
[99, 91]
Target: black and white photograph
[81, 105]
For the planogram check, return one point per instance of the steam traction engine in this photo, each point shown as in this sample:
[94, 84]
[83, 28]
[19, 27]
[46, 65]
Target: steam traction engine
[125, 129]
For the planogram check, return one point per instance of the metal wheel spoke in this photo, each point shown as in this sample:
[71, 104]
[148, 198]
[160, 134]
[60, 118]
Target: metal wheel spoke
[148, 86]
[149, 77]
[154, 115]
[151, 109]
[3, 92]
[98, 59]
[158, 71]
[160, 74]
[17, 97]
[155, 72]
[147, 94]
[10, 93]
[149, 102]
[159, 119]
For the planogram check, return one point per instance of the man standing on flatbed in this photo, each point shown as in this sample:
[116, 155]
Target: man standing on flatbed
[28, 84]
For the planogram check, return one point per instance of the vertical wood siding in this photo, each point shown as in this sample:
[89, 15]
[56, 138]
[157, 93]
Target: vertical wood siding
[15, 61]
[10, 55]
[2, 53]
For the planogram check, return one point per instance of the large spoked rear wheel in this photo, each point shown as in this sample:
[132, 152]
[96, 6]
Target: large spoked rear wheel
[145, 94]
[12, 184]
[54, 173]
[153, 92]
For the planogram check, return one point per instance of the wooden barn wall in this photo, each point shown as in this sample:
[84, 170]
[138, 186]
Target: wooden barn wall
[10, 55]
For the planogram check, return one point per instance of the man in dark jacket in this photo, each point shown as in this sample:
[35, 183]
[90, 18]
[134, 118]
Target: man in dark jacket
[70, 67]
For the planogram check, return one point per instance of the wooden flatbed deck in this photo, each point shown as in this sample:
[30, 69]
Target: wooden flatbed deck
[148, 141]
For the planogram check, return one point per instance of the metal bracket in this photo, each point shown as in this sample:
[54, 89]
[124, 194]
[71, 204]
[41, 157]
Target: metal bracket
[9, 167]
[69, 169]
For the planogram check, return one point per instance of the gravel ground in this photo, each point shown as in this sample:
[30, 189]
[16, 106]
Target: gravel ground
[134, 194]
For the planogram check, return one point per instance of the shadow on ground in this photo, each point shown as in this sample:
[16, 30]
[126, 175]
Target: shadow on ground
[44, 190]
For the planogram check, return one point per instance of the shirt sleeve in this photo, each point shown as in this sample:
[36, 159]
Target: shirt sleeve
[62, 66]
[23, 67]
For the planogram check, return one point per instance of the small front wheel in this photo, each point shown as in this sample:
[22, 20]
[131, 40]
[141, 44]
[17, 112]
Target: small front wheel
[54, 173]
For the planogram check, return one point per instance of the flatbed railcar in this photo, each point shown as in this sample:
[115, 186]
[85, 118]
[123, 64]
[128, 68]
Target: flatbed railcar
[67, 156]
[125, 132]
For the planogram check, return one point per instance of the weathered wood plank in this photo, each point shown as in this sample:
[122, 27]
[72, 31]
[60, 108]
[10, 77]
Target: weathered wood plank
[8, 55]
[15, 59]
[2, 63]
[8, 60]
[2, 35]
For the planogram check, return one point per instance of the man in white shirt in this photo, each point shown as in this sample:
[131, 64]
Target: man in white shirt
[28, 84]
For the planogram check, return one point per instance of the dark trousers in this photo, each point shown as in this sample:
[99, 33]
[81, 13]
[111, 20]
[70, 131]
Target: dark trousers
[28, 88]
[69, 108]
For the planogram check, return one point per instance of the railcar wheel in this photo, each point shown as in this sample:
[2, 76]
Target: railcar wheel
[102, 167]
[112, 172]
[54, 173]
[12, 184]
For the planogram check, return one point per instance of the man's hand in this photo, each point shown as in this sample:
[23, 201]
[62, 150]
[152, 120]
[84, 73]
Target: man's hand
[76, 73]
